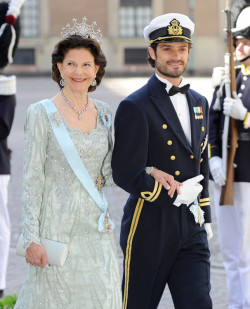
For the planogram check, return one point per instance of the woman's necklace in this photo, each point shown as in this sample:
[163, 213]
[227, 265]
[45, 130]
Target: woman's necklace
[74, 108]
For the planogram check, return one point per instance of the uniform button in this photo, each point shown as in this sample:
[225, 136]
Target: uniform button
[164, 126]
[170, 142]
[191, 157]
[244, 78]
[172, 157]
[201, 159]
[202, 144]
[242, 86]
[240, 95]
[202, 129]
[177, 173]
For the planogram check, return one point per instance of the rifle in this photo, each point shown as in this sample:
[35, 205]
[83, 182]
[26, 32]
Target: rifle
[228, 152]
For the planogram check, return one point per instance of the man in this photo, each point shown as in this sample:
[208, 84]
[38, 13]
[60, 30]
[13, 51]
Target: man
[234, 221]
[161, 134]
[9, 36]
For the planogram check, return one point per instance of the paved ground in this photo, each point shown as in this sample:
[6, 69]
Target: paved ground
[112, 91]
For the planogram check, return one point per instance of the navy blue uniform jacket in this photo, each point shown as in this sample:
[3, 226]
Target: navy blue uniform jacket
[216, 120]
[148, 133]
[7, 108]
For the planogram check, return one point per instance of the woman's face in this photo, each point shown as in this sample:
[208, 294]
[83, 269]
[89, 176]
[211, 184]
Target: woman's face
[78, 69]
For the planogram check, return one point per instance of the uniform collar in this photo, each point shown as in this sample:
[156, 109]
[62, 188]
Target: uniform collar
[168, 84]
[245, 69]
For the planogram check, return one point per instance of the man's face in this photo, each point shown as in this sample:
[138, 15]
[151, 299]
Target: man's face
[242, 50]
[171, 58]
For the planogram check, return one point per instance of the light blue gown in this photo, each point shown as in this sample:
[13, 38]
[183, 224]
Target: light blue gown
[56, 206]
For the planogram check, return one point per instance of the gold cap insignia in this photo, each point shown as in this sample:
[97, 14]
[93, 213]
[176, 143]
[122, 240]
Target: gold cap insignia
[175, 28]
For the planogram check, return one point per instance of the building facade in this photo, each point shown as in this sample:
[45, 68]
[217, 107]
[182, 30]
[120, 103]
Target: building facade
[121, 23]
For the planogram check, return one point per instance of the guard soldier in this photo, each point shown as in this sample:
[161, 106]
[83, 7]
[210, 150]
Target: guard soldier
[161, 133]
[234, 221]
[9, 36]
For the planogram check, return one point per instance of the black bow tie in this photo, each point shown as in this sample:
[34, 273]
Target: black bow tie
[175, 90]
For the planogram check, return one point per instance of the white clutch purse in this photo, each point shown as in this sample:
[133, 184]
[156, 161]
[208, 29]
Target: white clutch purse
[56, 251]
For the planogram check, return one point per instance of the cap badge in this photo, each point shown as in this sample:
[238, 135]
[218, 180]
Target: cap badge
[175, 28]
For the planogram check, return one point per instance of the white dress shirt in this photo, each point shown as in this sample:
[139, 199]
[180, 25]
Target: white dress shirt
[180, 104]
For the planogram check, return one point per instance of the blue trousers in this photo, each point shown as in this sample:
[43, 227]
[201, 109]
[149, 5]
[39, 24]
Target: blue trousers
[162, 245]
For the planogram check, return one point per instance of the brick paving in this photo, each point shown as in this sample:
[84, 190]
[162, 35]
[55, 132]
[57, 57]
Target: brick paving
[111, 91]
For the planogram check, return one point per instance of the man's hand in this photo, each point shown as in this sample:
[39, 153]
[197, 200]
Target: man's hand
[216, 169]
[234, 107]
[189, 191]
[167, 181]
[209, 231]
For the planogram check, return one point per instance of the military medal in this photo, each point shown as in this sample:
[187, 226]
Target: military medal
[198, 112]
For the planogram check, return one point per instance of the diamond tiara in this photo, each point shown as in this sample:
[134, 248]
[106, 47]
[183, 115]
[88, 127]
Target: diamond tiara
[83, 29]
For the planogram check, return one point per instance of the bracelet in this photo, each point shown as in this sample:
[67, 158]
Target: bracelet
[30, 246]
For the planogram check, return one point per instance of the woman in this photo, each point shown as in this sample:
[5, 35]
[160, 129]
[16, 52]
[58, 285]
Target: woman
[55, 203]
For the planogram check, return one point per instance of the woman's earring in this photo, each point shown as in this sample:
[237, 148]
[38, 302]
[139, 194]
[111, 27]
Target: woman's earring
[94, 83]
[62, 82]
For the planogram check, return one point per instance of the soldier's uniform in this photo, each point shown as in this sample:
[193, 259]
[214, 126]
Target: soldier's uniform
[9, 36]
[234, 221]
[162, 243]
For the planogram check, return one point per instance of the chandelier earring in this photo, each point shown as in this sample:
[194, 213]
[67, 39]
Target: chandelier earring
[94, 83]
[62, 82]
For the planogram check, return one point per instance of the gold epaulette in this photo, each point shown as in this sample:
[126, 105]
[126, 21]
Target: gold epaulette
[152, 196]
[204, 202]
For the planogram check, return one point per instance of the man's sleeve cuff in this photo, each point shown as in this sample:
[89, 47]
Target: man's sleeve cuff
[152, 196]
[204, 202]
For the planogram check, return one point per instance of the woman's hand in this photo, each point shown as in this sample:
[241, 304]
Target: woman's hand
[36, 255]
[167, 181]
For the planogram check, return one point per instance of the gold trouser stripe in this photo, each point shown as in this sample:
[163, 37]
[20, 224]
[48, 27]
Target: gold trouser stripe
[204, 204]
[157, 194]
[204, 199]
[209, 151]
[133, 227]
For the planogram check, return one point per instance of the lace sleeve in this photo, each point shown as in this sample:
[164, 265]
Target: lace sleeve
[106, 169]
[35, 141]
[106, 117]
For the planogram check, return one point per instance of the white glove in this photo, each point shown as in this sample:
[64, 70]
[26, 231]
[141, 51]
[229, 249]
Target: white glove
[189, 191]
[216, 169]
[209, 231]
[217, 76]
[234, 107]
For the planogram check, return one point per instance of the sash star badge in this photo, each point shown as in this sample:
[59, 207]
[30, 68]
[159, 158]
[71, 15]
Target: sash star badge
[198, 112]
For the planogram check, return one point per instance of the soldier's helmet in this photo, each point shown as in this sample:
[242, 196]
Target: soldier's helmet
[9, 35]
[242, 28]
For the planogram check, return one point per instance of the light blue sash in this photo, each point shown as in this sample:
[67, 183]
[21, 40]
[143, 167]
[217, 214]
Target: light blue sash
[105, 224]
